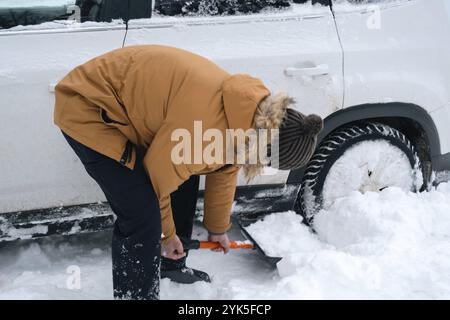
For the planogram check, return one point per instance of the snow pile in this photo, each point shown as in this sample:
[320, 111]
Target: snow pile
[42, 270]
[279, 235]
[391, 244]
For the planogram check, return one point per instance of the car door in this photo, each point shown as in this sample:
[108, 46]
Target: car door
[40, 42]
[294, 49]
[387, 44]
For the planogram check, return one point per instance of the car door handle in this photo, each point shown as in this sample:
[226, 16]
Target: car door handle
[319, 70]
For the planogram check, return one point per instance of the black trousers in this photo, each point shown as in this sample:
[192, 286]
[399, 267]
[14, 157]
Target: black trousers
[136, 243]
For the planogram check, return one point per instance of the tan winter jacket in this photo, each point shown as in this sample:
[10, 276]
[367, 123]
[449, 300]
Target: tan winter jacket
[142, 94]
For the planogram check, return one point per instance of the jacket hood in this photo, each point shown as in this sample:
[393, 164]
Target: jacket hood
[241, 96]
[249, 104]
[269, 114]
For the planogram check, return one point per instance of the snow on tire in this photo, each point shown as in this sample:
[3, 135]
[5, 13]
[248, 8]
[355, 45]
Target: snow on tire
[363, 157]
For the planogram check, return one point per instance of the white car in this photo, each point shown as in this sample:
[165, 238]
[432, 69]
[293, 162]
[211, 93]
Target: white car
[378, 72]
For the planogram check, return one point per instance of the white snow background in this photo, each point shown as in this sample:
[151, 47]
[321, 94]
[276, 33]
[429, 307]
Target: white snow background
[388, 245]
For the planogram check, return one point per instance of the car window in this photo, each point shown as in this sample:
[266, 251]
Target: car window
[218, 7]
[33, 12]
[28, 12]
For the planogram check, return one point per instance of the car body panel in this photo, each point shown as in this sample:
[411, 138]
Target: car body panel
[401, 57]
[441, 118]
[38, 169]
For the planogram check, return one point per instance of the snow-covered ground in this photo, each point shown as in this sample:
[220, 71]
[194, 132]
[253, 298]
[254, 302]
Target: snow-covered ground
[391, 244]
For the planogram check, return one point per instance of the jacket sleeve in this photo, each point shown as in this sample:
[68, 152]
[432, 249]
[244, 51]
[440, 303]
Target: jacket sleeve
[220, 188]
[165, 176]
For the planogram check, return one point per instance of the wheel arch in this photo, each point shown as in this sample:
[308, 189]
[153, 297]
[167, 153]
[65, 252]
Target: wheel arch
[412, 118]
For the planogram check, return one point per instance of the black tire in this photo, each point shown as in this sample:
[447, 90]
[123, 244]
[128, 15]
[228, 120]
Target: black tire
[309, 199]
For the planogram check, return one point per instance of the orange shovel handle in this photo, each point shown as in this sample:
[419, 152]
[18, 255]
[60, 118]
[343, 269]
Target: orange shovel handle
[233, 245]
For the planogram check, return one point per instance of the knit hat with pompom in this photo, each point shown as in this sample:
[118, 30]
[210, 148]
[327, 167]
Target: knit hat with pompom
[297, 139]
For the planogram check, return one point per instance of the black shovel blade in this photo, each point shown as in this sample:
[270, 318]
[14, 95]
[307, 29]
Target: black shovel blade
[272, 261]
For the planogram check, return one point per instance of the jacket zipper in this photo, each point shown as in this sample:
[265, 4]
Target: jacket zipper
[127, 154]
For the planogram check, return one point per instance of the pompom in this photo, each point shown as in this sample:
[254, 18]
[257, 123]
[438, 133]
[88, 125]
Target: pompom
[313, 124]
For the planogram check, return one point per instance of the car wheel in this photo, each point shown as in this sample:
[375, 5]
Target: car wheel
[364, 157]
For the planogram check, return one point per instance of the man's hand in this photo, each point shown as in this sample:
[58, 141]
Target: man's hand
[223, 240]
[173, 249]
